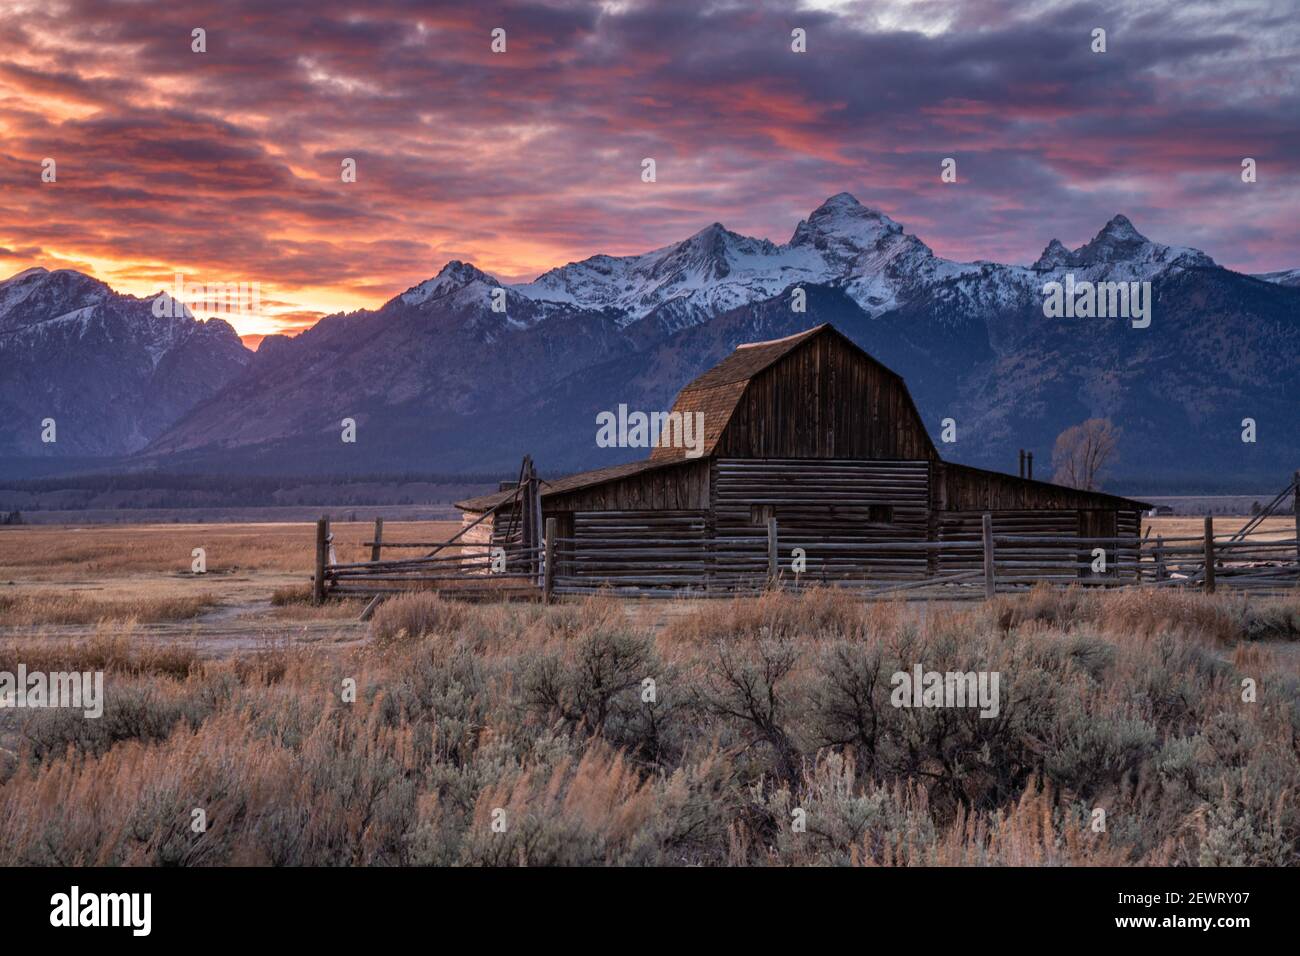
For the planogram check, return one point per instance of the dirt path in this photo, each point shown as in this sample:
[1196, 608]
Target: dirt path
[243, 619]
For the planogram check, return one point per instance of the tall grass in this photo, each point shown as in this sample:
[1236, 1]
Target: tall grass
[523, 735]
[31, 608]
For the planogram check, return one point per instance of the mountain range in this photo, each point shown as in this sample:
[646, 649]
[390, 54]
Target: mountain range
[437, 379]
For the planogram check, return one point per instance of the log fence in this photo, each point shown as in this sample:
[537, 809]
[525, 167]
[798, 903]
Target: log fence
[615, 557]
[1005, 563]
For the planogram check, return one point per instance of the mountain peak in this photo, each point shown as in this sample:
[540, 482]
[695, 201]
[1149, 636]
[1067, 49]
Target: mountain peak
[1119, 246]
[840, 200]
[1121, 229]
[30, 295]
[452, 277]
[1054, 255]
[464, 272]
[843, 212]
[26, 274]
[842, 230]
[712, 233]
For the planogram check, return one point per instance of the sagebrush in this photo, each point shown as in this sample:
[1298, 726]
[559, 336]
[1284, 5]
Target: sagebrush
[526, 735]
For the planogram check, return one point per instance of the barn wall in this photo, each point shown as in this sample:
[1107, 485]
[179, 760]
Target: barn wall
[1027, 561]
[1128, 525]
[606, 522]
[817, 504]
[825, 400]
[1022, 559]
[611, 549]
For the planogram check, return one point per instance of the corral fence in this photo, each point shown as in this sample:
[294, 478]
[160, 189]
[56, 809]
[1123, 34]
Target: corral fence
[511, 566]
[990, 563]
[616, 557]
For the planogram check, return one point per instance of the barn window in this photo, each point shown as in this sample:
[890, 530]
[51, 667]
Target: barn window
[880, 514]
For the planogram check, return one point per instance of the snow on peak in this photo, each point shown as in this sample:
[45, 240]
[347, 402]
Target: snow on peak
[842, 243]
[1054, 255]
[1287, 277]
[464, 272]
[840, 204]
[37, 294]
[1120, 229]
[1119, 251]
[451, 278]
[26, 274]
[843, 217]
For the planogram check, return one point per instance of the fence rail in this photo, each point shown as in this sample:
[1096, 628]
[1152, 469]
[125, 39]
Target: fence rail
[998, 563]
[978, 566]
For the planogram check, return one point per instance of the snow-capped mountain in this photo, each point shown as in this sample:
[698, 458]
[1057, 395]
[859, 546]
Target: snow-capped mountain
[842, 243]
[1287, 277]
[109, 372]
[37, 296]
[1120, 253]
[438, 379]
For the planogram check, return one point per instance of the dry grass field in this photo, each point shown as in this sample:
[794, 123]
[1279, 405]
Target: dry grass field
[55, 579]
[1171, 526]
[225, 693]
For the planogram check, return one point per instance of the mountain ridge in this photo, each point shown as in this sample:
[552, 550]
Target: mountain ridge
[436, 378]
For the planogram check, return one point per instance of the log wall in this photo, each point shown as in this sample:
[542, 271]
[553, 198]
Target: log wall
[636, 549]
[1029, 559]
[839, 512]
[827, 508]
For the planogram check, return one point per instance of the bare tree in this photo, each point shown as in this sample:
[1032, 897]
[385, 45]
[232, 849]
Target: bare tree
[1084, 452]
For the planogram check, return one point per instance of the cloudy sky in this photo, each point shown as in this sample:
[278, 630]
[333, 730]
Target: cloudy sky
[226, 165]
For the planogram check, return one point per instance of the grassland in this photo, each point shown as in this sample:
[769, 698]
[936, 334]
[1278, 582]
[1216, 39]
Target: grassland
[56, 579]
[541, 719]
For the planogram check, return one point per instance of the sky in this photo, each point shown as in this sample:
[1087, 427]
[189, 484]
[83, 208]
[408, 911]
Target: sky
[225, 166]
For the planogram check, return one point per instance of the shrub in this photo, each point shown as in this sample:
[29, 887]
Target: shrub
[411, 616]
[760, 708]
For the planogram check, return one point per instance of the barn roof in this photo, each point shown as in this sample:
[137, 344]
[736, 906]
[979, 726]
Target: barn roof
[1100, 497]
[718, 391]
[750, 358]
[584, 479]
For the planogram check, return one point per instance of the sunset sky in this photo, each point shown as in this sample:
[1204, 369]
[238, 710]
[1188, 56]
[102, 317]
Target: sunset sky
[226, 165]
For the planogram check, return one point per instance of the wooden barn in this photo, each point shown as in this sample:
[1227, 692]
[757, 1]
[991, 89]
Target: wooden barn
[812, 443]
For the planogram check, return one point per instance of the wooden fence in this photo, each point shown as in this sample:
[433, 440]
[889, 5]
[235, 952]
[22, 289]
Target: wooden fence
[615, 556]
[993, 563]
[513, 564]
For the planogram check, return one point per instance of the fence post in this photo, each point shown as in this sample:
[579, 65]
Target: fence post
[1160, 557]
[378, 539]
[771, 551]
[1209, 554]
[990, 579]
[548, 574]
[318, 578]
[1295, 493]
